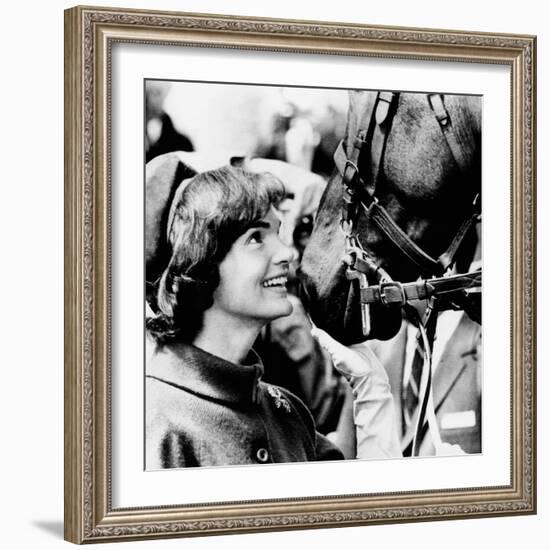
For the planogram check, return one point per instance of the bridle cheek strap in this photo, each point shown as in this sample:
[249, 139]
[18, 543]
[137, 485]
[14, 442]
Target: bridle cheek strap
[379, 216]
[453, 140]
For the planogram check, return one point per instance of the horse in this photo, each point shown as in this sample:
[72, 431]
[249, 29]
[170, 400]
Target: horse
[398, 214]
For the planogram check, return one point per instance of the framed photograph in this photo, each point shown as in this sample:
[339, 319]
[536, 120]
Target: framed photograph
[286, 304]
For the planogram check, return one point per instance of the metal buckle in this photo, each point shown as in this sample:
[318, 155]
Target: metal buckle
[351, 253]
[444, 120]
[392, 285]
[441, 114]
[348, 164]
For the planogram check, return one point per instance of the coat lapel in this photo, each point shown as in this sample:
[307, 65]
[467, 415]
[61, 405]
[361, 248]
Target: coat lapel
[460, 351]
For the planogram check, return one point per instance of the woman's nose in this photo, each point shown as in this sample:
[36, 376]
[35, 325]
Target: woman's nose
[285, 253]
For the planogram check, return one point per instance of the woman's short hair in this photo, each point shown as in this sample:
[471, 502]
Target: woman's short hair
[210, 211]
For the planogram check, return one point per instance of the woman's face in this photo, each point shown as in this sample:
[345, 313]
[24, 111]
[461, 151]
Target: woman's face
[254, 273]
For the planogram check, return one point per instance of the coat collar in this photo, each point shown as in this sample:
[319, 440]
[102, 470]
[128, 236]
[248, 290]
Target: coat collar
[460, 353]
[207, 375]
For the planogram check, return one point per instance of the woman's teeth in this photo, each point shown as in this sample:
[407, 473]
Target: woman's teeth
[276, 281]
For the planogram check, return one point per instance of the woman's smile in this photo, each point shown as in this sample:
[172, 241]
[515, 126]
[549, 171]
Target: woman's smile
[276, 283]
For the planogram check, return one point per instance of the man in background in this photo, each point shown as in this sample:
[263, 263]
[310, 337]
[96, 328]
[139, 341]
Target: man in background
[160, 134]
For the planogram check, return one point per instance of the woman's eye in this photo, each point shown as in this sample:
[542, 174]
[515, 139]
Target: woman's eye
[255, 238]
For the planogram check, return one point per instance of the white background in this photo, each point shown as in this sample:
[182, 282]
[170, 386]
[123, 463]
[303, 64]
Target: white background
[31, 218]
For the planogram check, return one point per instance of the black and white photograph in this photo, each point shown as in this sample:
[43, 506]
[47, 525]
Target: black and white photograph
[300, 275]
[313, 274]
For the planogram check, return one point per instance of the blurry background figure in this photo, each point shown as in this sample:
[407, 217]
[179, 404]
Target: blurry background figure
[330, 124]
[303, 127]
[302, 233]
[160, 134]
[304, 190]
[301, 140]
[293, 359]
[272, 145]
[300, 238]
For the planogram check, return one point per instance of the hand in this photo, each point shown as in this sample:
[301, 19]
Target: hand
[373, 409]
[355, 361]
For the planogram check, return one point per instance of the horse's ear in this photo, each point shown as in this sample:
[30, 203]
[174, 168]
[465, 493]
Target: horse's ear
[163, 175]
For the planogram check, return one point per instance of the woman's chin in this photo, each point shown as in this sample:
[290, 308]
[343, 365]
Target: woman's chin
[289, 308]
[277, 301]
[284, 308]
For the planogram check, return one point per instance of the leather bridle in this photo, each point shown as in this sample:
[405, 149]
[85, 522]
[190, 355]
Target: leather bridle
[359, 196]
[438, 285]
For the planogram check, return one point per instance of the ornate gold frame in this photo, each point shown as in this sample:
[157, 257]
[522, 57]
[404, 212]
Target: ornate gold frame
[89, 34]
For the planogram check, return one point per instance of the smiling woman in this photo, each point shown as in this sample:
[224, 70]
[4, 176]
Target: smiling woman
[209, 213]
[205, 402]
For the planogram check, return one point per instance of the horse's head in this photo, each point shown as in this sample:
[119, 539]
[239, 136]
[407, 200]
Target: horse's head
[423, 170]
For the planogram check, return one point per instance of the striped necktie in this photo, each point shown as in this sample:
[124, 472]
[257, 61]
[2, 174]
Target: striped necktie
[418, 387]
[412, 389]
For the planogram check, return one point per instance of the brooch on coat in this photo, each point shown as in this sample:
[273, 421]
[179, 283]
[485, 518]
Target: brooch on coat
[280, 400]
